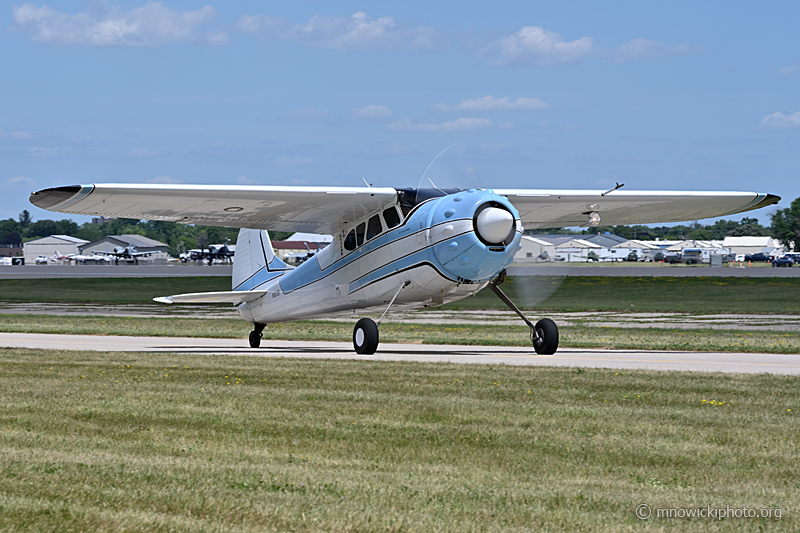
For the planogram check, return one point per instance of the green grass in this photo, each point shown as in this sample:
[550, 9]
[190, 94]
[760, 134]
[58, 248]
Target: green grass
[651, 294]
[106, 290]
[461, 334]
[151, 442]
[550, 293]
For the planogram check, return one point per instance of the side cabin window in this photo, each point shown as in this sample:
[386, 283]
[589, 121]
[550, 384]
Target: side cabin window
[374, 227]
[360, 233]
[391, 217]
[350, 241]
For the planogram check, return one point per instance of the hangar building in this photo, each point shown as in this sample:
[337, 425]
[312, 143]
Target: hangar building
[47, 246]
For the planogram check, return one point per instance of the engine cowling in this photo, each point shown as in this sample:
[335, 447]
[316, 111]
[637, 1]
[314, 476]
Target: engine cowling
[476, 234]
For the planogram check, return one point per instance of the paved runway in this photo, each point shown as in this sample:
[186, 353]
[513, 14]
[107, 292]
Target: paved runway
[111, 271]
[622, 269]
[622, 359]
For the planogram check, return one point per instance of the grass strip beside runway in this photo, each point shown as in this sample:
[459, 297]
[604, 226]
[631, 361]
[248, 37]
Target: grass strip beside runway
[156, 442]
[545, 293]
[462, 334]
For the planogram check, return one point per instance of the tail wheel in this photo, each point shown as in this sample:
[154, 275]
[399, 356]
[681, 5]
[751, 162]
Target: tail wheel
[547, 343]
[365, 337]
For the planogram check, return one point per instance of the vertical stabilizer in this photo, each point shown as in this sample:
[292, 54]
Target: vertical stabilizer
[255, 262]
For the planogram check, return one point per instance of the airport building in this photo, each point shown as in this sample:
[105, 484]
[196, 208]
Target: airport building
[48, 246]
[143, 244]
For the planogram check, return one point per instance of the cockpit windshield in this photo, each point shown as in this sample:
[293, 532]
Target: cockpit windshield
[410, 198]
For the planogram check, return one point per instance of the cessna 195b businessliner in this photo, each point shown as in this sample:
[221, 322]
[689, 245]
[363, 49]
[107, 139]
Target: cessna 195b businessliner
[391, 247]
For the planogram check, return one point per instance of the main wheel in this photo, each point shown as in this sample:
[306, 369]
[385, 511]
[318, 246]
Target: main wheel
[255, 339]
[365, 337]
[548, 337]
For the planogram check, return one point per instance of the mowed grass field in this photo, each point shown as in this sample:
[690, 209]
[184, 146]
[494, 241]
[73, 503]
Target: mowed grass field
[549, 293]
[149, 442]
[460, 334]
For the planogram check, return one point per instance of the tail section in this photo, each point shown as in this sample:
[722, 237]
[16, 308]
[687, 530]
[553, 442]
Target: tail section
[255, 262]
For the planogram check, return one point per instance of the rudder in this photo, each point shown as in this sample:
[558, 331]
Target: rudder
[255, 262]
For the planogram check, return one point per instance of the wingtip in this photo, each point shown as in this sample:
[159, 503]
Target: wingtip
[163, 299]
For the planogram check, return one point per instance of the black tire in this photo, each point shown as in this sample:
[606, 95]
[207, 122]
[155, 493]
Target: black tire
[548, 335]
[255, 339]
[365, 337]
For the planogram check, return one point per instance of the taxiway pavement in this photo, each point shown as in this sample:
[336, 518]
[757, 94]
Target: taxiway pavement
[519, 269]
[571, 357]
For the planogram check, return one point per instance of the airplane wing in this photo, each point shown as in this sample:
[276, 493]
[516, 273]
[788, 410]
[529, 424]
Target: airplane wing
[235, 297]
[308, 209]
[326, 209]
[559, 209]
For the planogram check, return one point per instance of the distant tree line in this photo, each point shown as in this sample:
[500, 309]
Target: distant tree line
[181, 237]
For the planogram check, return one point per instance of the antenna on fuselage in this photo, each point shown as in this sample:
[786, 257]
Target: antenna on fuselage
[365, 181]
[431, 163]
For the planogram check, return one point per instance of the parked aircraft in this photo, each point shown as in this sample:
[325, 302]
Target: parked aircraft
[120, 252]
[219, 253]
[391, 247]
[58, 258]
[301, 257]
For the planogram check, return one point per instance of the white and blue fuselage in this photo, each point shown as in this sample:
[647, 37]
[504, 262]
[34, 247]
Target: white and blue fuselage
[444, 249]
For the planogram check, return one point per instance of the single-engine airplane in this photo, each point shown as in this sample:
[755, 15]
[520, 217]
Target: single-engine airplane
[400, 247]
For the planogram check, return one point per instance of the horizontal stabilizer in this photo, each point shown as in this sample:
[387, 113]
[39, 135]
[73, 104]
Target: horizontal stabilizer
[232, 297]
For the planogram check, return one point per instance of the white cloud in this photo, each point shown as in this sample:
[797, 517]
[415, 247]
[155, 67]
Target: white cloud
[493, 103]
[779, 120]
[143, 152]
[533, 45]
[642, 49]
[260, 24]
[164, 179]
[109, 25]
[788, 71]
[244, 180]
[307, 114]
[356, 32]
[294, 161]
[495, 147]
[459, 124]
[371, 112]
[22, 135]
[48, 151]
[19, 183]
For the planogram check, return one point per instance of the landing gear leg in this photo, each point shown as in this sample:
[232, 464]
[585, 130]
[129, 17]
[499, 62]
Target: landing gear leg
[255, 335]
[544, 335]
[365, 334]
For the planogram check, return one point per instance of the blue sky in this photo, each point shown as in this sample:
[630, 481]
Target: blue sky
[678, 95]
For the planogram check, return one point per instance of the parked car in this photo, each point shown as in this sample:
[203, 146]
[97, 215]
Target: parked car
[591, 256]
[659, 256]
[672, 258]
[41, 260]
[633, 257]
[739, 258]
[692, 256]
[759, 257]
[783, 261]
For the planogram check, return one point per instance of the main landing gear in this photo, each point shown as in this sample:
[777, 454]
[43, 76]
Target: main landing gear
[544, 335]
[365, 334]
[255, 335]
